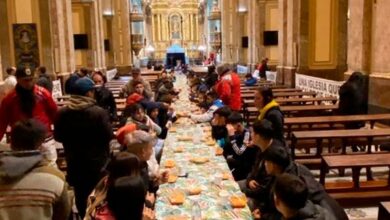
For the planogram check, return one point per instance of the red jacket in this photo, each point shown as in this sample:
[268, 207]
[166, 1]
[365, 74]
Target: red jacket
[229, 90]
[44, 111]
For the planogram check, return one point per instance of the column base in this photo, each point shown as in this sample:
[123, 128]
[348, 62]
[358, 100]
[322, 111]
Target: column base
[286, 75]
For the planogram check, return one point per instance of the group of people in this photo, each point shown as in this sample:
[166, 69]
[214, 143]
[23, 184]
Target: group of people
[121, 183]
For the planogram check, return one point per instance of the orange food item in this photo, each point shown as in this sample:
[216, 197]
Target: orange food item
[184, 138]
[218, 151]
[199, 160]
[210, 142]
[195, 191]
[173, 129]
[179, 149]
[172, 178]
[238, 201]
[176, 198]
[169, 163]
[226, 176]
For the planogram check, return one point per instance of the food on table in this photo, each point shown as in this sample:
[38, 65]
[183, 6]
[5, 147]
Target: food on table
[184, 138]
[173, 129]
[179, 149]
[177, 197]
[194, 191]
[172, 178]
[177, 217]
[210, 142]
[238, 201]
[199, 160]
[218, 151]
[169, 163]
[226, 176]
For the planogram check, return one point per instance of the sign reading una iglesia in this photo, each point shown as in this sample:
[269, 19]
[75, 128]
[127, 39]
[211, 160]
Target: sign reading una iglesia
[323, 87]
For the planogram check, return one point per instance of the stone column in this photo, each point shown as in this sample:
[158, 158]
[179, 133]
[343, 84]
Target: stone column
[62, 37]
[121, 37]
[229, 35]
[290, 38]
[256, 19]
[5, 48]
[359, 35]
[97, 35]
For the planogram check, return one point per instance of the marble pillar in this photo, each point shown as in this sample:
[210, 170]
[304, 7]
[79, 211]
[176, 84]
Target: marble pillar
[62, 37]
[97, 35]
[121, 37]
[229, 16]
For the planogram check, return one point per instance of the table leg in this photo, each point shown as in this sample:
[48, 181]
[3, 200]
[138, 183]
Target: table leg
[356, 176]
[323, 171]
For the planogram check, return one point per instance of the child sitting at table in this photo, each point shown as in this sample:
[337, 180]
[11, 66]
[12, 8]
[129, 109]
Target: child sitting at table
[211, 98]
[243, 156]
[138, 117]
[218, 129]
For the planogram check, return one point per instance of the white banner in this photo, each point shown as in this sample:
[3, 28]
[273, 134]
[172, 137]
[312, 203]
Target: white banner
[271, 76]
[242, 69]
[111, 74]
[57, 89]
[323, 87]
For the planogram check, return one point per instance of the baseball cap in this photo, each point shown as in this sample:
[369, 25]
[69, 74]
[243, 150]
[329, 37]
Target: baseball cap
[24, 72]
[83, 85]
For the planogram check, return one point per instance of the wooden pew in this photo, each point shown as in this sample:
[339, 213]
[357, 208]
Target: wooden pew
[293, 110]
[250, 95]
[358, 193]
[331, 121]
[344, 135]
[301, 101]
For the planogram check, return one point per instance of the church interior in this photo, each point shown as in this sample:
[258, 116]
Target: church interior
[309, 48]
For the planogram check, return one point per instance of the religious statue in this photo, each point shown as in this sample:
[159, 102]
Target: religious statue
[175, 27]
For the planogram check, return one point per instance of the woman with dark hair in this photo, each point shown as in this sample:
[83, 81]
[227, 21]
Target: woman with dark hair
[104, 97]
[126, 198]
[353, 100]
[124, 164]
[269, 109]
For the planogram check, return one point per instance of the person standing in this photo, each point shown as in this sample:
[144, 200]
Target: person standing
[104, 96]
[85, 131]
[44, 79]
[69, 83]
[229, 88]
[263, 68]
[27, 101]
[10, 81]
[31, 189]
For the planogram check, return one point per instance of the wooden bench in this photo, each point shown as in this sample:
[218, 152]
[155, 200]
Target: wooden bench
[359, 192]
[345, 135]
[331, 121]
[384, 211]
[293, 110]
[251, 95]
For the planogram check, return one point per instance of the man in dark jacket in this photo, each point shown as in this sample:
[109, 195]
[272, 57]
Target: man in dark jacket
[70, 82]
[277, 161]
[256, 184]
[85, 131]
[104, 96]
[353, 99]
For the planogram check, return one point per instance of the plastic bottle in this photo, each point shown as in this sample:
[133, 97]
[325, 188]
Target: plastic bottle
[196, 211]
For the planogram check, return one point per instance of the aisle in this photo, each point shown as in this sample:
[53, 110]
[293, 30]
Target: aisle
[209, 173]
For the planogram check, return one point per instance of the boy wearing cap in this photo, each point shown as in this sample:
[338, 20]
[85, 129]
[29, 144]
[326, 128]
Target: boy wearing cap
[85, 131]
[28, 100]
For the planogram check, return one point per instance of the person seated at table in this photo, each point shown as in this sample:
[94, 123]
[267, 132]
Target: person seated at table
[243, 155]
[219, 131]
[290, 195]
[269, 109]
[278, 161]
[125, 198]
[104, 97]
[136, 98]
[139, 88]
[129, 88]
[122, 164]
[263, 137]
[250, 80]
[141, 144]
[166, 88]
[213, 99]
[138, 117]
[159, 82]
[212, 77]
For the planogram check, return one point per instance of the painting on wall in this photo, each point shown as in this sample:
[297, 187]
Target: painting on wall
[26, 45]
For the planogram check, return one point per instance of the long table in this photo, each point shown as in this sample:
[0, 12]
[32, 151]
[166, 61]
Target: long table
[215, 193]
